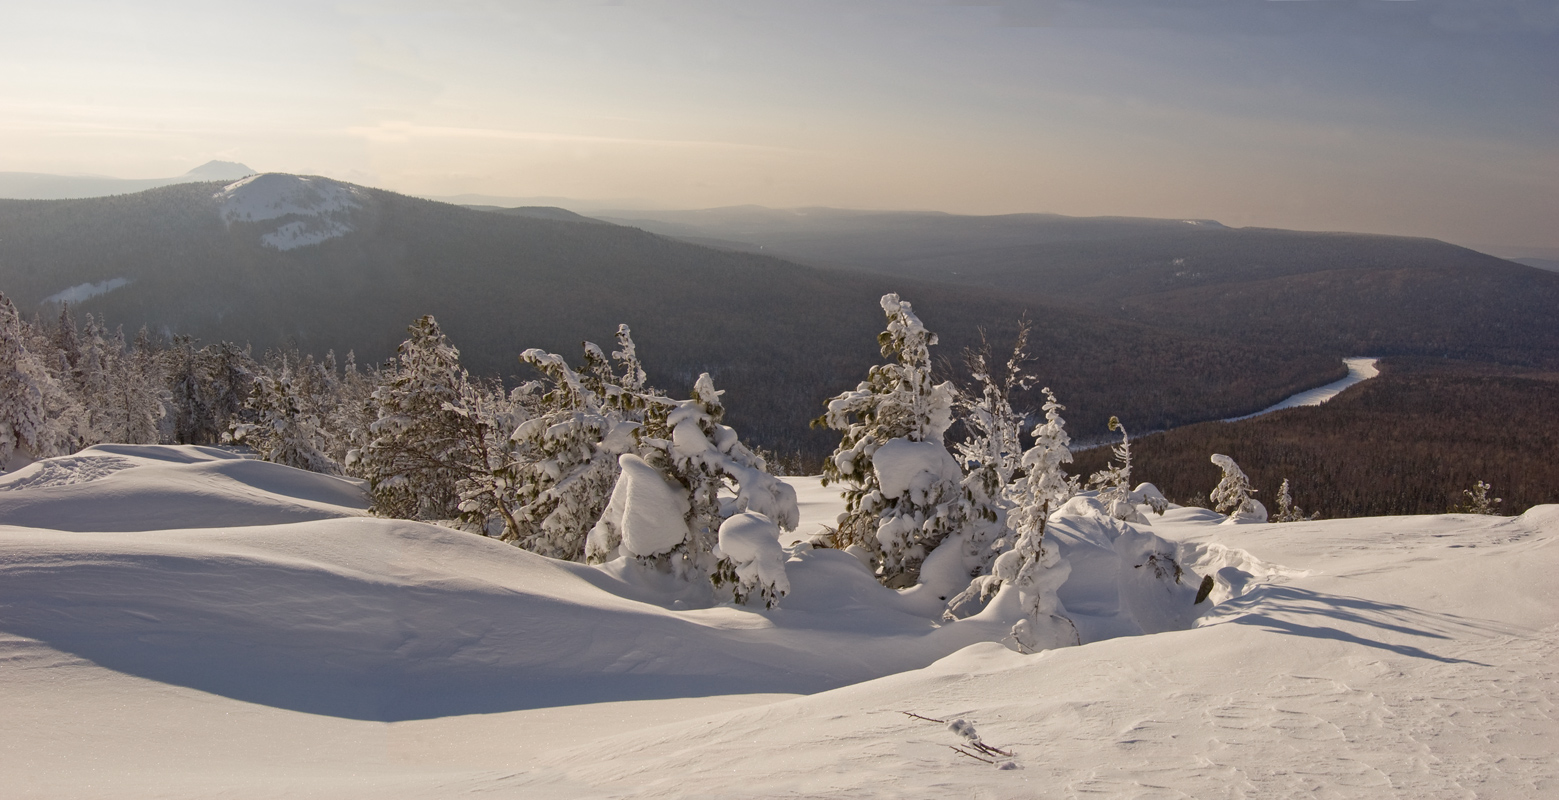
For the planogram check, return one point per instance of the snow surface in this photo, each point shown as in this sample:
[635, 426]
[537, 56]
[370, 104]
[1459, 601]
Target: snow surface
[313, 209]
[1359, 370]
[253, 636]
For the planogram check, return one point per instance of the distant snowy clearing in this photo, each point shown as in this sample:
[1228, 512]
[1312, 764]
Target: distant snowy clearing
[176, 622]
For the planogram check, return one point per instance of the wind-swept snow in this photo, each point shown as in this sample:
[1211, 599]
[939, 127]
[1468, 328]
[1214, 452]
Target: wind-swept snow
[207, 652]
[313, 209]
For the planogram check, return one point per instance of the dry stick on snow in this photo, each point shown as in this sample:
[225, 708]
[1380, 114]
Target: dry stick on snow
[971, 755]
[988, 750]
[976, 744]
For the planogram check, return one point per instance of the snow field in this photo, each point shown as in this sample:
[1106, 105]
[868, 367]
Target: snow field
[176, 622]
[315, 209]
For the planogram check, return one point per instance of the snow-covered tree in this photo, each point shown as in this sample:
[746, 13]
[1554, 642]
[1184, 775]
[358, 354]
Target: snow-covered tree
[568, 452]
[134, 404]
[1045, 486]
[1287, 511]
[1114, 481]
[699, 457]
[1232, 496]
[993, 451]
[22, 415]
[417, 455]
[902, 489]
[1036, 571]
[286, 427]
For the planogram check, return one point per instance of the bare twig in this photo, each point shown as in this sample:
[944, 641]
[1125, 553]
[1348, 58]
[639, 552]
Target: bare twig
[971, 755]
[988, 750]
[928, 719]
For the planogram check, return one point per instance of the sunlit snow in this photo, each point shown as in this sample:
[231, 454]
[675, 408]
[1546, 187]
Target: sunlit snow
[313, 209]
[179, 622]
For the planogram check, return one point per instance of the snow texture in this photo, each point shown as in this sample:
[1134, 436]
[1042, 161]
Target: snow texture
[647, 513]
[918, 470]
[86, 291]
[312, 209]
[251, 638]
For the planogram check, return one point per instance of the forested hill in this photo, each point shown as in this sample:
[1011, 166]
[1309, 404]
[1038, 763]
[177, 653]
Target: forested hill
[1348, 293]
[326, 265]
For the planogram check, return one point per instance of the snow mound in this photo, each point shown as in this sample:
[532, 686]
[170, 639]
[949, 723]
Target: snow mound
[312, 209]
[156, 487]
[751, 542]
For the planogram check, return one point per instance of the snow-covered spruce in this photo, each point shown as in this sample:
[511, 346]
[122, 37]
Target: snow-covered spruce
[286, 427]
[899, 504]
[1232, 496]
[688, 447]
[568, 453]
[439, 445]
[23, 379]
[1287, 511]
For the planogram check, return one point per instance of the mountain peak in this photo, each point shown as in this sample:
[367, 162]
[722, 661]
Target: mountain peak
[311, 209]
[220, 171]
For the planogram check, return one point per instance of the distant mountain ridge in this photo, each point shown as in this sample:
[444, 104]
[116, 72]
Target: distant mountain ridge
[41, 186]
[1349, 293]
[276, 259]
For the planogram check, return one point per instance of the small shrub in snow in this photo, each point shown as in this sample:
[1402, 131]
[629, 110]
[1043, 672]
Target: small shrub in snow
[899, 402]
[1477, 501]
[1113, 481]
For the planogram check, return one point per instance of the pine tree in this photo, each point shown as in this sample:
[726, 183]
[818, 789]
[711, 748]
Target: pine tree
[894, 422]
[688, 444]
[1035, 570]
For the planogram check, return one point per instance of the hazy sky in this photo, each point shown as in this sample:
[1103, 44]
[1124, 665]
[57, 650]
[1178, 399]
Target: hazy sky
[1430, 117]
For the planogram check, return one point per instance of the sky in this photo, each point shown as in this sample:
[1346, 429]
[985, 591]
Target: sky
[1418, 117]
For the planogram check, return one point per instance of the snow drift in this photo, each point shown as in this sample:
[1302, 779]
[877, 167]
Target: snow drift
[166, 613]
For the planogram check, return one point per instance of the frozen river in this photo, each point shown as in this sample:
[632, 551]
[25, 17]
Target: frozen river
[1359, 369]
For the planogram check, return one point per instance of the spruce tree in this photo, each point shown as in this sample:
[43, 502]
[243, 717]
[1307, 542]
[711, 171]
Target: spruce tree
[901, 407]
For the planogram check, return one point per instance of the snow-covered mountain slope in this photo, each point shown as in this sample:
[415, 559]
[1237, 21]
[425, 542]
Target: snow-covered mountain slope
[311, 209]
[1405, 657]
